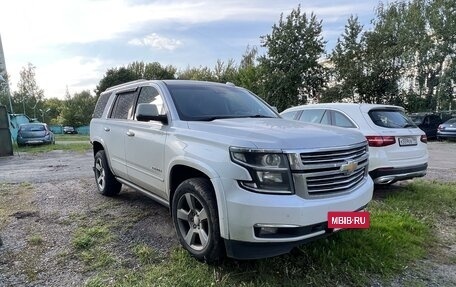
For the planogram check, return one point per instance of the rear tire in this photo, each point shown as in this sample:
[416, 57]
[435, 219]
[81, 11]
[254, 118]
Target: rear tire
[196, 220]
[104, 178]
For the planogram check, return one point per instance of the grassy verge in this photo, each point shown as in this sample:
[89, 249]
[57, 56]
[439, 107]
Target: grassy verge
[68, 137]
[401, 231]
[79, 147]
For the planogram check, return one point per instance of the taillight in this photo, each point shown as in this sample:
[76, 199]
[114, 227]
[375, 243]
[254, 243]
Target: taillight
[423, 138]
[378, 141]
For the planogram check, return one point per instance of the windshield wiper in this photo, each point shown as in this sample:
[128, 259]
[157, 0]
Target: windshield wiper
[212, 118]
[409, 126]
[255, 116]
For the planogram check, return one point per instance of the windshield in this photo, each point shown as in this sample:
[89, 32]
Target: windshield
[391, 118]
[207, 102]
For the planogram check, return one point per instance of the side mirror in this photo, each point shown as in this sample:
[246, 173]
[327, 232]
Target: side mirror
[149, 112]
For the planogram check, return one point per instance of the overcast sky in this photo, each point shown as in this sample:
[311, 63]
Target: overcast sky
[73, 42]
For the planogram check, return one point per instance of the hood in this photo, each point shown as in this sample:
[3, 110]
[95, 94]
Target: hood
[278, 133]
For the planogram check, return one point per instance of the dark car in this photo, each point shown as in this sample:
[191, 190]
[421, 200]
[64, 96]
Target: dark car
[447, 130]
[69, 130]
[428, 123]
[34, 133]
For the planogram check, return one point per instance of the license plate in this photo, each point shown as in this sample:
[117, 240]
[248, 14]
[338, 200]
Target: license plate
[406, 141]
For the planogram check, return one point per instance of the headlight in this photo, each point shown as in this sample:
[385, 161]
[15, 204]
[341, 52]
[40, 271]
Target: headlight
[269, 169]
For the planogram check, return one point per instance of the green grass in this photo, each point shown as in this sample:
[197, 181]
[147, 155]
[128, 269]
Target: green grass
[35, 240]
[79, 147]
[87, 237]
[68, 137]
[401, 232]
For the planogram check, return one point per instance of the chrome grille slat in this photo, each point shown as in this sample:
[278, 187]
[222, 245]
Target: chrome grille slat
[345, 187]
[343, 179]
[323, 174]
[339, 163]
[331, 157]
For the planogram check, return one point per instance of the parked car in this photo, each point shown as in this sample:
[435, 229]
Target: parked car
[69, 130]
[428, 122]
[447, 130]
[238, 179]
[34, 133]
[397, 147]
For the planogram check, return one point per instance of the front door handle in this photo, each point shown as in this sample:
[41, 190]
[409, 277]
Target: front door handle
[106, 129]
[130, 134]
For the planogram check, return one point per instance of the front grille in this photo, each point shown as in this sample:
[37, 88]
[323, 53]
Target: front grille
[334, 171]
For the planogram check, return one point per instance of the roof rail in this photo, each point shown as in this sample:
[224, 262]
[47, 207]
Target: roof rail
[230, 84]
[124, 84]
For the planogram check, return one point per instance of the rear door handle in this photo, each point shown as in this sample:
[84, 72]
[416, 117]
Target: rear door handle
[106, 129]
[130, 134]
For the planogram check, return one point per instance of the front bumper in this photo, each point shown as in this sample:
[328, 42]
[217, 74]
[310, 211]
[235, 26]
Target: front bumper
[34, 141]
[297, 219]
[446, 135]
[391, 175]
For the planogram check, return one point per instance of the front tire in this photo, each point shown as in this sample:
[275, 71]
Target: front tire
[195, 217]
[105, 180]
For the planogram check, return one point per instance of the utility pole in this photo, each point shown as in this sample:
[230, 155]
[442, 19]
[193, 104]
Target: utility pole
[3, 75]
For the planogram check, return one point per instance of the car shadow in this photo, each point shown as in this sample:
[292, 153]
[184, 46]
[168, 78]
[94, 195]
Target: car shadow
[382, 191]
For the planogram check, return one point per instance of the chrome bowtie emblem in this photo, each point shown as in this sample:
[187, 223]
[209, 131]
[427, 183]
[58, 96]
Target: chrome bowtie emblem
[349, 167]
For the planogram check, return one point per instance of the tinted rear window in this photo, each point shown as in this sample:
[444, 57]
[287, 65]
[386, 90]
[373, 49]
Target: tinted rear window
[33, 128]
[391, 118]
[101, 104]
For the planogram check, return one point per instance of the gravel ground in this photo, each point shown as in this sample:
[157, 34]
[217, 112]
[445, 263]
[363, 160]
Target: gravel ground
[50, 195]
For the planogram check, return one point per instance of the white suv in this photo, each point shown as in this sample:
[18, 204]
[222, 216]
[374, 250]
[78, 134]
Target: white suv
[397, 147]
[237, 178]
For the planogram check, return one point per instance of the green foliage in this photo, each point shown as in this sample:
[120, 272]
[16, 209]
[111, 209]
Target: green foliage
[29, 97]
[77, 109]
[406, 59]
[200, 74]
[290, 68]
[151, 71]
[116, 76]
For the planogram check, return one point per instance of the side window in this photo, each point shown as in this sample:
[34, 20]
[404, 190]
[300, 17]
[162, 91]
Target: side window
[341, 120]
[326, 119]
[123, 107]
[150, 95]
[312, 116]
[289, 115]
[101, 104]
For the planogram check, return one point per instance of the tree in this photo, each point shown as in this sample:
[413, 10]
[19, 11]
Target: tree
[200, 74]
[77, 109]
[291, 69]
[348, 60]
[152, 71]
[28, 98]
[116, 76]
[249, 72]
[54, 106]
